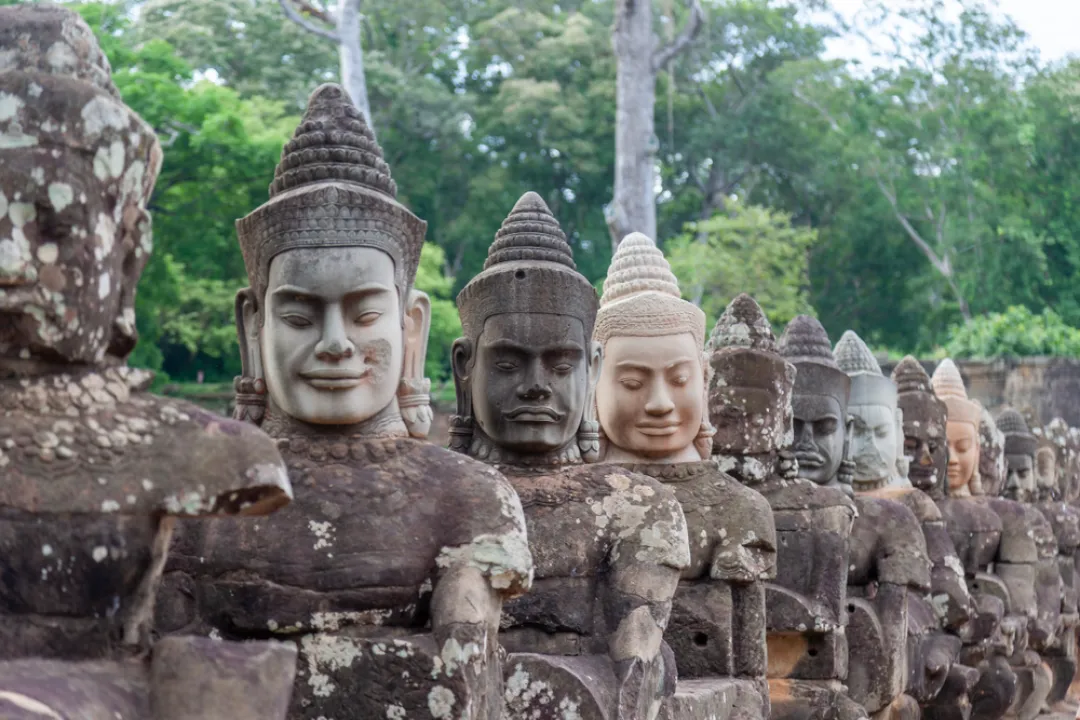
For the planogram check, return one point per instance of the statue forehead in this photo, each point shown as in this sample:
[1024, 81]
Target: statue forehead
[652, 350]
[1021, 462]
[962, 429]
[533, 330]
[873, 411]
[811, 406]
[331, 270]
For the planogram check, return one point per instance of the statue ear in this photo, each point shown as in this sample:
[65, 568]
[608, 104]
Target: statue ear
[414, 390]
[248, 324]
[589, 433]
[461, 354]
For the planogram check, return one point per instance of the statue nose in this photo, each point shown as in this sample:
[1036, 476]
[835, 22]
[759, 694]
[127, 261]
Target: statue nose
[536, 392]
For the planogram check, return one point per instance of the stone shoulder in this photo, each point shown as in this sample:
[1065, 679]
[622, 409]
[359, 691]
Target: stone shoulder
[924, 507]
[98, 443]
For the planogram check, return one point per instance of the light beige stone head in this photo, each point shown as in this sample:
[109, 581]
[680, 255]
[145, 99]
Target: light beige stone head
[961, 430]
[877, 432]
[331, 327]
[652, 395]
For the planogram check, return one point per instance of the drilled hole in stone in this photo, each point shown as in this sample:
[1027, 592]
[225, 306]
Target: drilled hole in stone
[520, 274]
[851, 608]
[701, 639]
[812, 652]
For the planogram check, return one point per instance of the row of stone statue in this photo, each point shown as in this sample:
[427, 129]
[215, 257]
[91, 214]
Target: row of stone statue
[638, 521]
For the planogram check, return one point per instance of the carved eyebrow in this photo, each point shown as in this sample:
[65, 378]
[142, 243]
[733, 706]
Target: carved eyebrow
[306, 295]
[563, 350]
[509, 346]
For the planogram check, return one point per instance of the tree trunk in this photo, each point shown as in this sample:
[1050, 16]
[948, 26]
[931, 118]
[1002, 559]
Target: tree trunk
[633, 208]
[637, 57]
[352, 57]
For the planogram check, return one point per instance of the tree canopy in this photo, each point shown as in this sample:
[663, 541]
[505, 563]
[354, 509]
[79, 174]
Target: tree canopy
[901, 199]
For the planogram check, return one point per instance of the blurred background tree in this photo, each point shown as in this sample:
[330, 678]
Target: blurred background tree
[918, 199]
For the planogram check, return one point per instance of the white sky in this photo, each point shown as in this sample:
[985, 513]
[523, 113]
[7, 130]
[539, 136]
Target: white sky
[1053, 26]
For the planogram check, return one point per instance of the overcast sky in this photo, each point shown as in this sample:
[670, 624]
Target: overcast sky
[1053, 26]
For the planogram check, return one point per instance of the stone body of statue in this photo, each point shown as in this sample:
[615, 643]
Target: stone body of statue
[1051, 461]
[886, 551]
[1054, 474]
[877, 443]
[982, 541]
[389, 569]
[750, 407]
[1034, 580]
[609, 544]
[94, 470]
[651, 403]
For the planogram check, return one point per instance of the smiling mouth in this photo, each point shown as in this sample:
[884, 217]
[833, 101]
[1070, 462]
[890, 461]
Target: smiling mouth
[534, 415]
[334, 378]
[809, 461]
[665, 430]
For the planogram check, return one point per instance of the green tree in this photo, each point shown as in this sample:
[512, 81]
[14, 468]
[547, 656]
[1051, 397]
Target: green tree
[745, 249]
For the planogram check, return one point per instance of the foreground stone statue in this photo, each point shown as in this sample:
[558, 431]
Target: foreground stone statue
[888, 562]
[609, 544]
[1023, 526]
[94, 470]
[879, 431]
[651, 401]
[387, 535]
[751, 408]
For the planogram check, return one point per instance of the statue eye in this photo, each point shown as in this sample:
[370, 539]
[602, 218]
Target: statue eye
[506, 366]
[368, 318]
[563, 368]
[680, 380]
[630, 383]
[296, 321]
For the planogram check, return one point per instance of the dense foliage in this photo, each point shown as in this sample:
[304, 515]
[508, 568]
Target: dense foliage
[1017, 332]
[897, 199]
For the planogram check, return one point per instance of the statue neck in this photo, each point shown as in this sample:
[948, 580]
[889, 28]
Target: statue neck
[621, 456]
[386, 423]
[486, 450]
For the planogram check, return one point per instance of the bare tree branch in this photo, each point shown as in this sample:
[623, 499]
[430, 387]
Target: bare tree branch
[817, 106]
[292, 14]
[693, 26]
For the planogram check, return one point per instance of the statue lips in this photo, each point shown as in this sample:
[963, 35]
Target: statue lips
[335, 379]
[809, 460]
[534, 414]
[658, 429]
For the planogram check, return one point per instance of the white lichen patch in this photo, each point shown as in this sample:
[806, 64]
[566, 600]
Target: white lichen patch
[9, 106]
[441, 702]
[323, 532]
[103, 113]
[504, 559]
[395, 712]
[454, 655]
[325, 654]
[99, 553]
[61, 195]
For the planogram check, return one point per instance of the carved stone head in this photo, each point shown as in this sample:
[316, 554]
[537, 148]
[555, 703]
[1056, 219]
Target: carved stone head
[962, 429]
[78, 167]
[750, 392]
[651, 395]
[820, 401]
[877, 431]
[1020, 448]
[330, 326]
[1068, 439]
[527, 366]
[992, 468]
[925, 416]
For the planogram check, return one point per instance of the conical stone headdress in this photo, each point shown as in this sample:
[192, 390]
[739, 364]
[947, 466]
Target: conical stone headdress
[868, 385]
[641, 296]
[1019, 440]
[332, 188]
[805, 344]
[750, 392]
[911, 377]
[949, 387]
[529, 269]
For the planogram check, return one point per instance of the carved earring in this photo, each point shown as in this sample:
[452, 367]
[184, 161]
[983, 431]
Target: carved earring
[704, 440]
[414, 402]
[249, 399]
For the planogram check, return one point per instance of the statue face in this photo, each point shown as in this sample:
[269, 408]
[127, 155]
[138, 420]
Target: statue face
[332, 339]
[925, 443]
[651, 394]
[963, 454]
[530, 379]
[819, 436]
[1020, 482]
[74, 237]
[874, 442]
[1046, 473]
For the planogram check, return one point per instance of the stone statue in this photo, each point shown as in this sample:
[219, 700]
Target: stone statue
[94, 471]
[387, 535]
[819, 403]
[879, 431]
[889, 568]
[1051, 466]
[750, 406]
[1034, 578]
[651, 400]
[609, 544]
